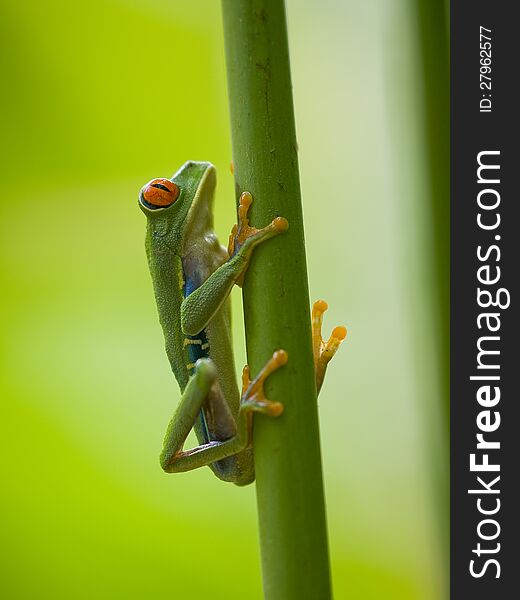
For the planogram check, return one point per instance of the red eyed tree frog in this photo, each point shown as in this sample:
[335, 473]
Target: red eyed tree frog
[193, 276]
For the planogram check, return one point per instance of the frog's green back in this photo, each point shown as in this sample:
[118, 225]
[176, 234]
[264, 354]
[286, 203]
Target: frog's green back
[168, 284]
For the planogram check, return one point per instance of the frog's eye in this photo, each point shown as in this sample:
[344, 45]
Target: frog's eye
[160, 193]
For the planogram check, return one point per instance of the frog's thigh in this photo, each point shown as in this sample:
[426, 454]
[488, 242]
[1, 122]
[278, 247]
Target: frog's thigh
[173, 458]
[188, 410]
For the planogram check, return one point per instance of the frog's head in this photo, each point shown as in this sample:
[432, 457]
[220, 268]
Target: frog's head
[182, 205]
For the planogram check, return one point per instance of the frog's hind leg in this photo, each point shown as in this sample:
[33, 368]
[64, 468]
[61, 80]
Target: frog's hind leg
[323, 351]
[253, 400]
[253, 395]
[174, 459]
[188, 410]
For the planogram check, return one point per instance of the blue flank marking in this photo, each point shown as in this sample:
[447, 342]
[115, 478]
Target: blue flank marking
[195, 352]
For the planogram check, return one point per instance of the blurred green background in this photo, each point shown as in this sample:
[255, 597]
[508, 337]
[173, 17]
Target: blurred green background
[99, 97]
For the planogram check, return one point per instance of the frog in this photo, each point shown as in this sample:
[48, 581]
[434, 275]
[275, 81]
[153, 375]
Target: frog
[192, 276]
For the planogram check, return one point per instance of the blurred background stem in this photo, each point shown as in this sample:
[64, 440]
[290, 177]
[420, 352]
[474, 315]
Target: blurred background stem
[291, 508]
[433, 29]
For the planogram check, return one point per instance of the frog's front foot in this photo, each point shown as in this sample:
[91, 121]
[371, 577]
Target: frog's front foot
[323, 351]
[243, 234]
[253, 395]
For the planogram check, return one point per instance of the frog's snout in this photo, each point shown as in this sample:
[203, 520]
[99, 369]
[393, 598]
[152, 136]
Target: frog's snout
[159, 193]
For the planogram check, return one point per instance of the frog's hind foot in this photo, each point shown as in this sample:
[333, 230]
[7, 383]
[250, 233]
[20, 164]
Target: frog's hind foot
[242, 232]
[323, 351]
[253, 395]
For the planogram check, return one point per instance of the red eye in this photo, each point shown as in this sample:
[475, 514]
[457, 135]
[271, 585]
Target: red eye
[160, 192]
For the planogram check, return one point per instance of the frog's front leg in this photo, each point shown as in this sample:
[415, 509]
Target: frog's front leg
[244, 238]
[199, 307]
[323, 351]
[174, 459]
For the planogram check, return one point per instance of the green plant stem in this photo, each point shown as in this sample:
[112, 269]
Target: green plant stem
[435, 69]
[291, 507]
